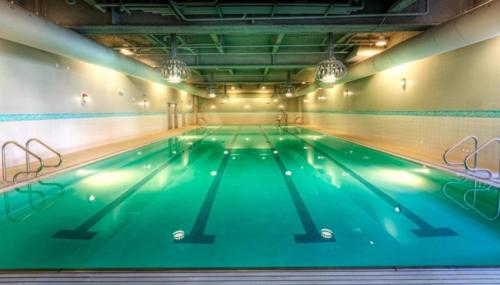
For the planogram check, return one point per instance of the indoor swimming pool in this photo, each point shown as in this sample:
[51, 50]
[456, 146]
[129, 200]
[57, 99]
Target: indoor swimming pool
[250, 197]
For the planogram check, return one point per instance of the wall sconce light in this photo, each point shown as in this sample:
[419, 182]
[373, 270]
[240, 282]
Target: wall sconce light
[145, 102]
[403, 83]
[347, 92]
[321, 98]
[84, 98]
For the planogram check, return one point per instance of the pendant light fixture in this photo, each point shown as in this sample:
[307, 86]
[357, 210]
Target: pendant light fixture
[330, 69]
[212, 90]
[174, 70]
[289, 88]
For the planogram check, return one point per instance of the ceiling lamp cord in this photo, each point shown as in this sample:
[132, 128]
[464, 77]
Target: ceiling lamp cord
[330, 69]
[212, 90]
[289, 88]
[174, 70]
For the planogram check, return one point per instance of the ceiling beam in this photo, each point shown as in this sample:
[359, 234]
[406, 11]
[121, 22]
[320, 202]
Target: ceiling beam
[219, 42]
[249, 66]
[95, 5]
[401, 5]
[275, 49]
[244, 29]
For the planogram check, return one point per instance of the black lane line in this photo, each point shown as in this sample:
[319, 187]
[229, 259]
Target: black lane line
[312, 233]
[197, 234]
[425, 229]
[82, 231]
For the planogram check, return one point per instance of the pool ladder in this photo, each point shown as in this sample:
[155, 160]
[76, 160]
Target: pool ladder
[470, 162]
[28, 153]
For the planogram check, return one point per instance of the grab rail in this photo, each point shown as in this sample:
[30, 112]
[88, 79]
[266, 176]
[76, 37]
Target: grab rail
[473, 204]
[59, 156]
[297, 119]
[476, 153]
[27, 171]
[476, 144]
[201, 119]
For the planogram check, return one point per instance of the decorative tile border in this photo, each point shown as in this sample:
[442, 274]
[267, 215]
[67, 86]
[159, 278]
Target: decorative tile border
[66, 116]
[437, 113]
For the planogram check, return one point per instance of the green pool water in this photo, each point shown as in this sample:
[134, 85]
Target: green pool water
[250, 197]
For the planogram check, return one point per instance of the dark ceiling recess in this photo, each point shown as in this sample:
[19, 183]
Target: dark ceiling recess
[245, 42]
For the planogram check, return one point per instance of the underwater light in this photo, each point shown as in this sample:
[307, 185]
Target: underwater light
[91, 198]
[178, 235]
[275, 152]
[213, 173]
[226, 152]
[397, 209]
[288, 173]
[326, 233]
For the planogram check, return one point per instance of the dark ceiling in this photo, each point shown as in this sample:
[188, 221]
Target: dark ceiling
[246, 42]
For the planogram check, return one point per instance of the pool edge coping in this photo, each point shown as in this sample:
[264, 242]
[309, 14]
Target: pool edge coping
[415, 160]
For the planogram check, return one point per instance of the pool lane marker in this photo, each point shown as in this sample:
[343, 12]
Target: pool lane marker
[312, 234]
[425, 229]
[197, 234]
[82, 231]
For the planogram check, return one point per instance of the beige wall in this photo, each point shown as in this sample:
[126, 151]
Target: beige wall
[253, 109]
[466, 79]
[35, 83]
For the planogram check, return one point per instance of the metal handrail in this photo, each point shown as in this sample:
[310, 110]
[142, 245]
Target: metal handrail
[475, 153]
[475, 139]
[474, 207]
[201, 119]
[28, 171]
[28, 163]
[299, 118]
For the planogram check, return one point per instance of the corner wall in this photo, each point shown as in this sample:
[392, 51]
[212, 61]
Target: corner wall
[40, 97]
[246, 110]
[446, 98]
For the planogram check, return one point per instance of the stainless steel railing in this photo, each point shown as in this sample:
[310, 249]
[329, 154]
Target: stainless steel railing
[59, 156]
[475, 154]
[28, 170]
[475, 139]
[201, 119]
[28, 154]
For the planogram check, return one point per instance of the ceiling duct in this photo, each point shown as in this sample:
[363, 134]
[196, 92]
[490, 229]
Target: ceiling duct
[475, 26]
[21, 26]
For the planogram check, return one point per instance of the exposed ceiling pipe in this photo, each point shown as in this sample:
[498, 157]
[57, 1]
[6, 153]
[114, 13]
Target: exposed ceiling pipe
[475, 26]
[20, 26]
[175, 7]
